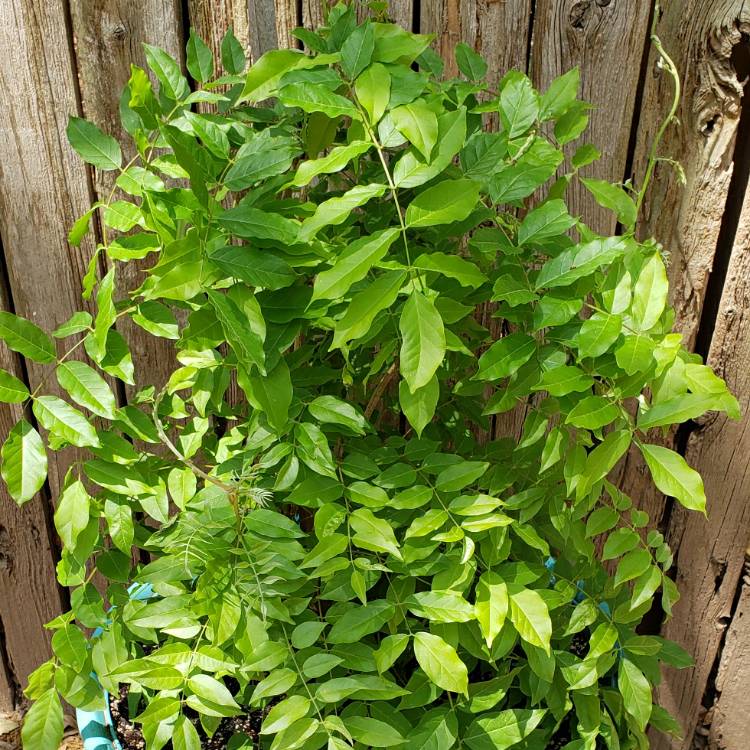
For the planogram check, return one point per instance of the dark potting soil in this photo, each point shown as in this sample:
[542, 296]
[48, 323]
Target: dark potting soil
[131, 737]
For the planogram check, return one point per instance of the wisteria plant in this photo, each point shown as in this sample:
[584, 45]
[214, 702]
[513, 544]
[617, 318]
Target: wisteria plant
[367, 274]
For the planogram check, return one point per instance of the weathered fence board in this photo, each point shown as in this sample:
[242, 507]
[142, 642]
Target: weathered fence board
[65, 58]
[710, 553]
[605, 40]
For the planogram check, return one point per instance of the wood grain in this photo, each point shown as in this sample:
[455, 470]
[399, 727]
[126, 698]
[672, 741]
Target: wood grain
[44, 186]
[211, 19]
[29, 594]
[108, 37]
[687, 219]
[710, 553]
[606, 41]
[287, 19]
[262, 27]
[727, 718]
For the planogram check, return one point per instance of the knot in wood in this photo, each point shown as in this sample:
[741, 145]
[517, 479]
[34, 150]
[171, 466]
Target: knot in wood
[119, 31]
[580, 14]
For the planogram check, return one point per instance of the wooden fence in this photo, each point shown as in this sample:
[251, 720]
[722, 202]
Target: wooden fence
[63, 57]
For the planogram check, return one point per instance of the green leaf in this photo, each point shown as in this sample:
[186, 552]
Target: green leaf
[167, 70]
[491, 605]
[446, 202]
[373, 533]
[373, 90]
[530, 617]
[635, 353]
[259, 268]
[579, 261]
[24, 462]
[353, 264]
[677, 410]
[332, 410]
[673, 476]
[285, 713]
[366, 305]
[12, 390]
[43, 723]
[87, 388]
[356, 51]
[636, 692]
[336, 159]
[471, 64]
[93, 146]
[419, 407]
[592, 413]
[498, 731]
[612, 197]
[360, 621]
[545, 222]
[312, 98]
[506, 356]
[24, 337]
[72, 513]
[119, 518]
[273, 394]
[441, 663]
[212, 692]
[335, 211]
[244, 340]
[452, 266]
[252, 223]
[232, 54]
[650, 293]
[565, 379]
[441, 606]
[562, 92]
[313, 449]
[65, 422]
[423, 341]
[598, 333]
[373, 732]
[417, 122]
[200, 60]
[519, 104]
[460, 475]
[184, 735]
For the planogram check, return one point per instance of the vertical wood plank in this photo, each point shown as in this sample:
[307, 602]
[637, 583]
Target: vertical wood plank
[108, 36]
[44, 187]
[313, 13]
[287, 19]
[7, 698]
[727, 719]
[606, 41]
[402, 12]
[29, 594]
[262, 27]
[710, 553]
[687, 219]
[212, 18]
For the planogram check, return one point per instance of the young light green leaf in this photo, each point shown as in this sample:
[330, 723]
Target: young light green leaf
[93, 146]
[423, 341]
[12, 390]
[530, 617]
[506, 356]
[441, 663]
[72, 513]
[418, 123]
[87, 388]
[65, 422]
[373, 533]
[636, 692]
[419, 406]
[24, 337]
[673, 476]
[43, 724]
[491, 605]
[24, 462]
[353, 264]
[446, 202]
